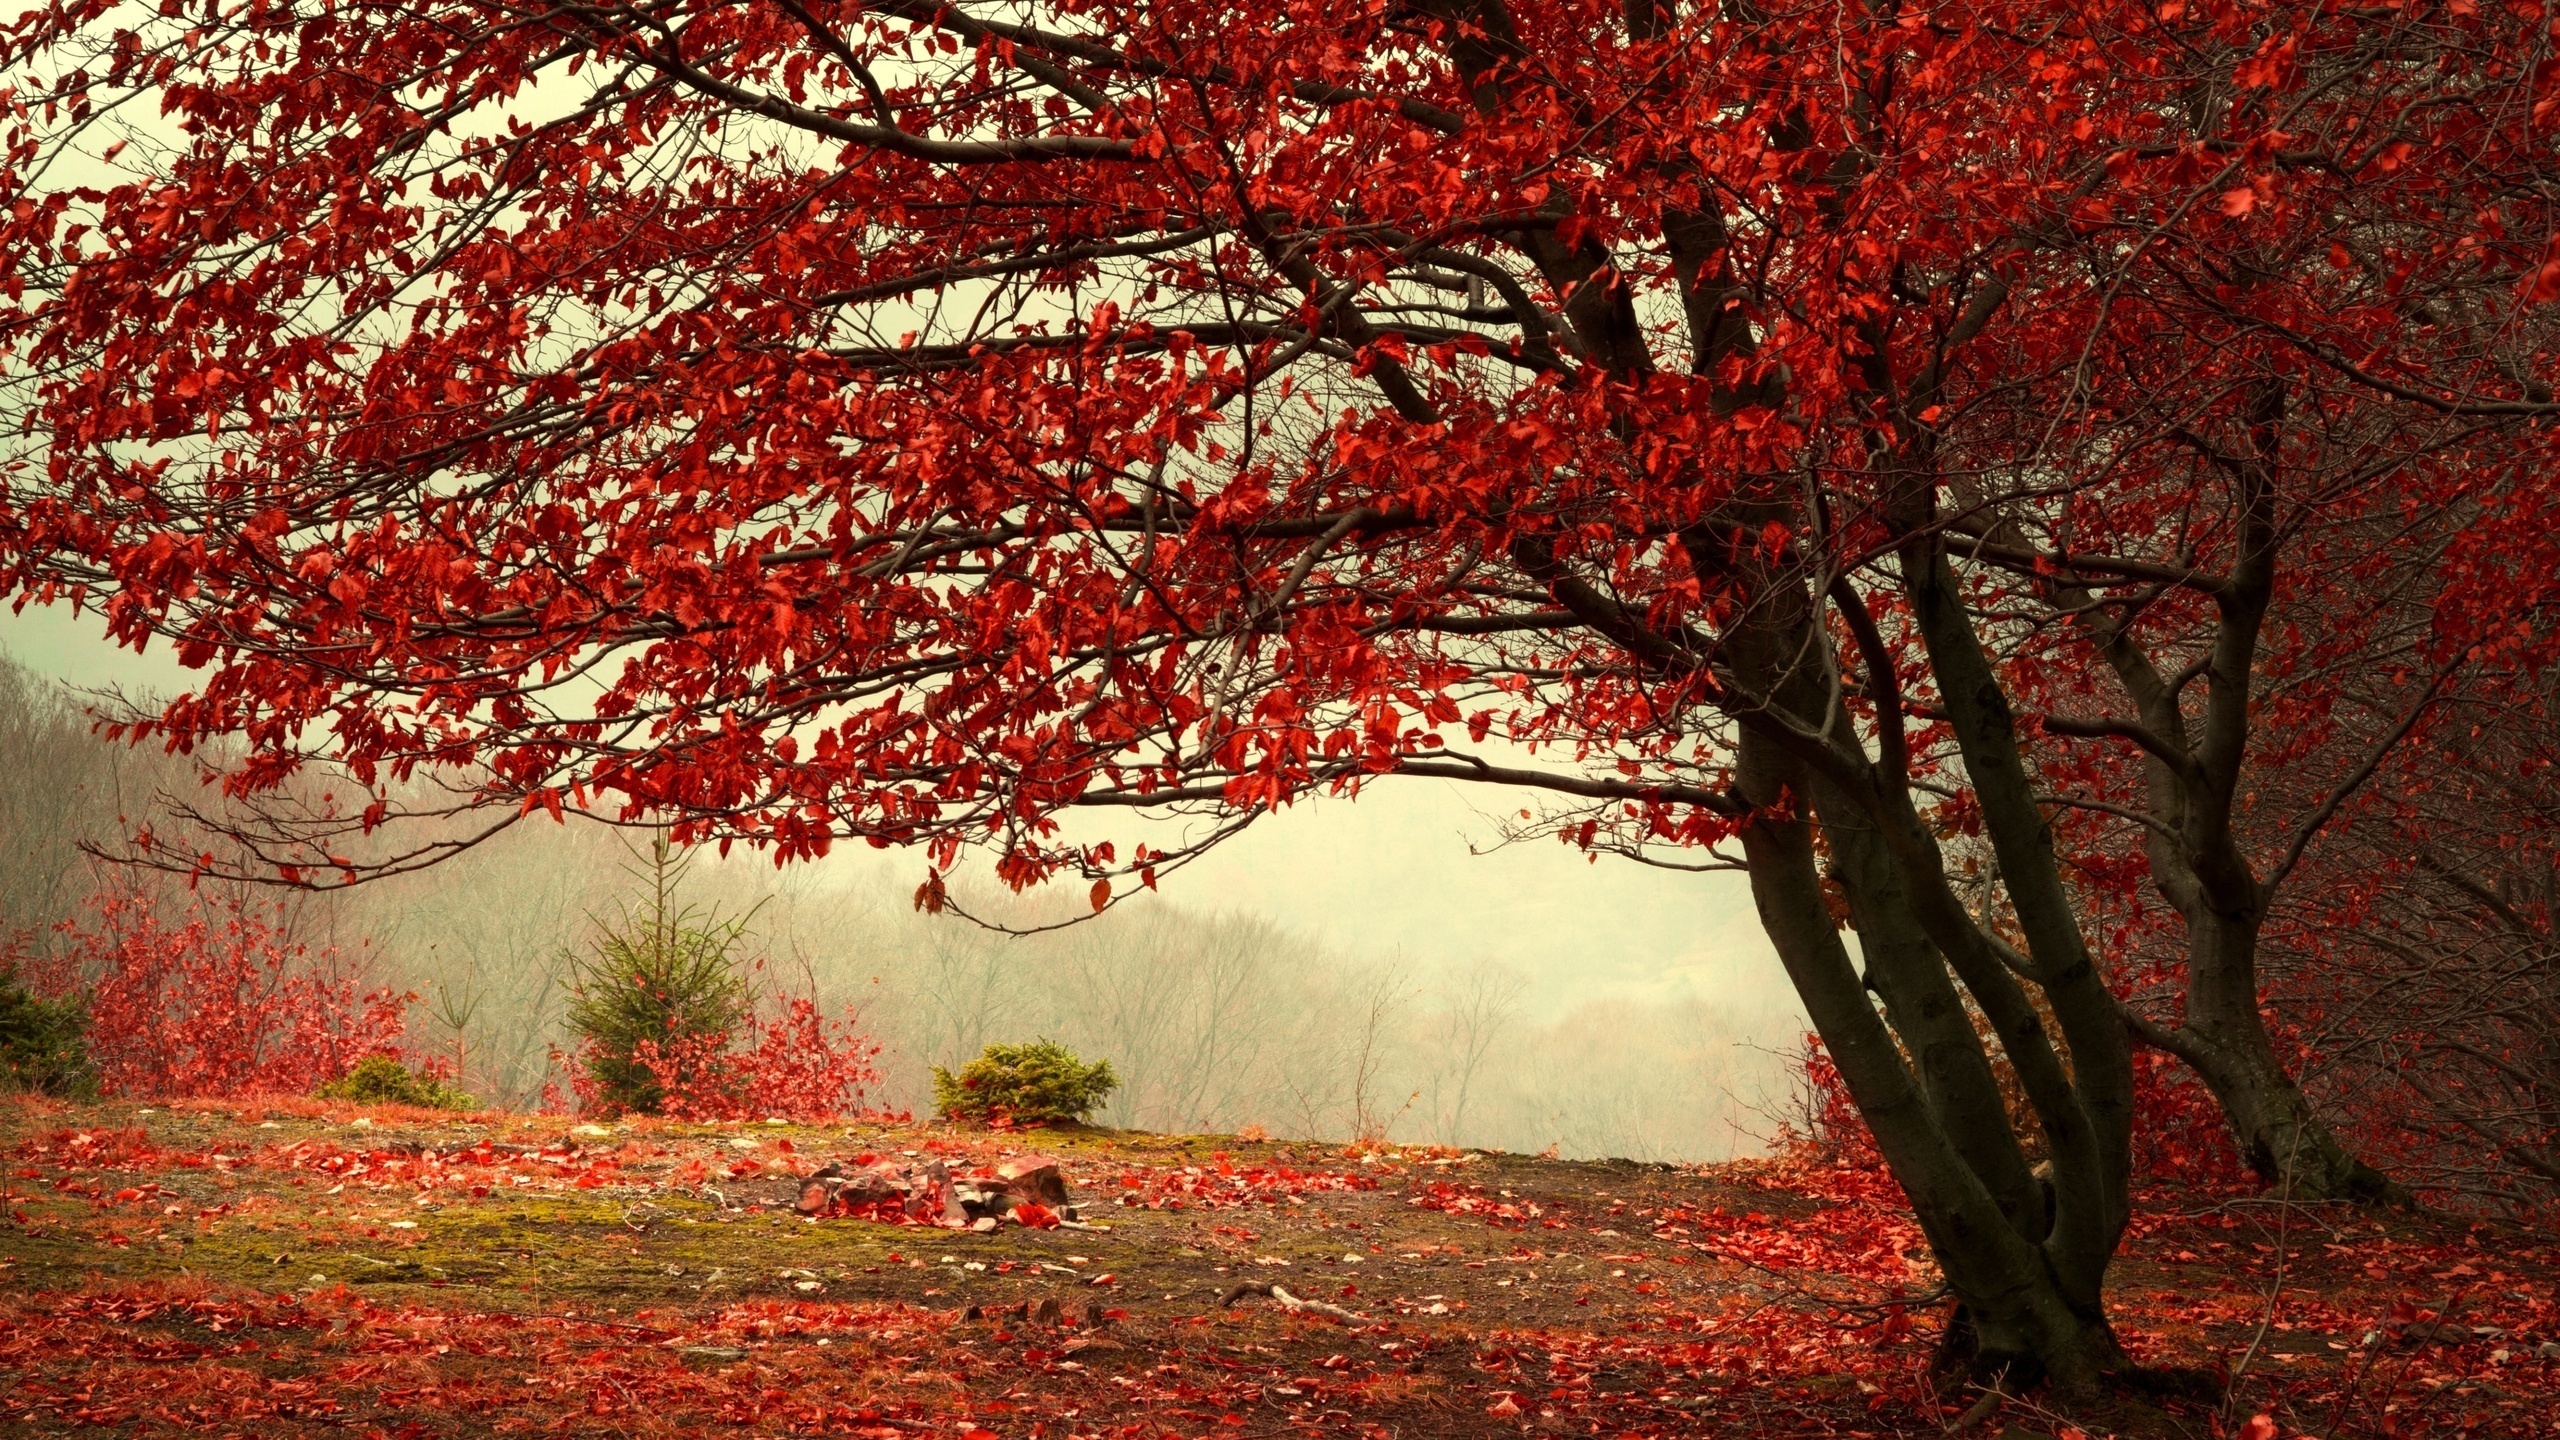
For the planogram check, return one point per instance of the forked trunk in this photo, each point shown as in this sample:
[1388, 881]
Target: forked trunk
[2030, 1305]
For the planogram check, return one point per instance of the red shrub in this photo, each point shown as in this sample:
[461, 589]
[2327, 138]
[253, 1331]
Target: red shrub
[806, 1066]
[1824, 1123]
[2179, 1133]
[224, 1003]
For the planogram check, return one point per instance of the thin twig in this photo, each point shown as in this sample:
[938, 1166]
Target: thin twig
[2284, 1225]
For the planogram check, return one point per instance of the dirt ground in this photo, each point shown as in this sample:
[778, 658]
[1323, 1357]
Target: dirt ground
[296, 1268]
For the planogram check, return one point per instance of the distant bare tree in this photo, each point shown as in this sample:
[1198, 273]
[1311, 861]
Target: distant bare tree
[966, 990]
[1232, 998]
[1378, 1005]
[1477, 1005]
[50, 774]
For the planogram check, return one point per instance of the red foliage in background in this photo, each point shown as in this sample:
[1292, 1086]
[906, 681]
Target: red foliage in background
[796, 1063]
[2179, 1134]
[223, 1002]
[804, 1065]
[1825, 1124]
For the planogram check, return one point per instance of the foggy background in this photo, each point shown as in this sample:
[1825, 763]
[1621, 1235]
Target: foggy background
[1341, 968]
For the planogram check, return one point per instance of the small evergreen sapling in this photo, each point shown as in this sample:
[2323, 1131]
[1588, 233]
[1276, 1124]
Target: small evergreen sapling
[658, 999]
[670, 1021]
[43, 1042]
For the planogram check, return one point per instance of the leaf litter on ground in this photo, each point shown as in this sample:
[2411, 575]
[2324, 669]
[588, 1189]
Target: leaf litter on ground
[296, 1268]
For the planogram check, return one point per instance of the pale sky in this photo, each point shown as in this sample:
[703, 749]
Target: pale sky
[1391, 872]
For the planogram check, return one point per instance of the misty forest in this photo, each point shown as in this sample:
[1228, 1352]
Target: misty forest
[1152, 719]
[1216, 1022]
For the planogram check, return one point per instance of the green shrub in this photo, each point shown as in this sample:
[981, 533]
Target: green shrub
[383, 1080]
[43, 1043]
[1042, 1081]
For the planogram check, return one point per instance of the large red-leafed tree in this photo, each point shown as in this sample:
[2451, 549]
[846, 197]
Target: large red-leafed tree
[910, 421]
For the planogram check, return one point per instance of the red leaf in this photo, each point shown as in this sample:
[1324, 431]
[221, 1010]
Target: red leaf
[2542, 286]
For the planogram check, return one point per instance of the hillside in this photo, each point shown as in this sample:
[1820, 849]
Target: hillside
[301, 1269]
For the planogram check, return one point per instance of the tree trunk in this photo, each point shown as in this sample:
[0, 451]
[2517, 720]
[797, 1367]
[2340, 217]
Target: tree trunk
[2192, 770]
[2289, 1147]
[2225, 1041]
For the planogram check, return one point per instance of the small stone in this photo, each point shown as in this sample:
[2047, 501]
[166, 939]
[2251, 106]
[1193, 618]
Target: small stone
[985, 1224]
[711, 1354]
[589, 1132]
[2548, 1349]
